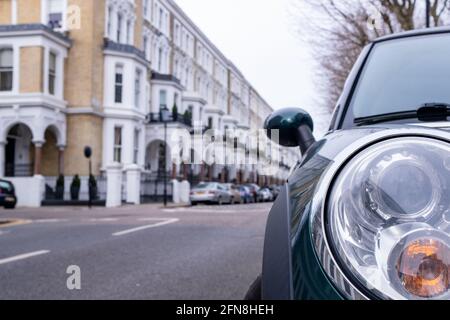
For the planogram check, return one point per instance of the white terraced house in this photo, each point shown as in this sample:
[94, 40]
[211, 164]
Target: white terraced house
[111, 74]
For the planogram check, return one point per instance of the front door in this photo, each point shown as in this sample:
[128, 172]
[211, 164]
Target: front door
[10, 154]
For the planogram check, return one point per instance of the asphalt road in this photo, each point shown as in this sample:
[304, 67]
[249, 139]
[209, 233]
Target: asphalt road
[143, 252]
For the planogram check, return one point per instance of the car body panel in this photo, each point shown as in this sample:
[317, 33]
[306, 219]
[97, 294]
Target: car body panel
[8, 196]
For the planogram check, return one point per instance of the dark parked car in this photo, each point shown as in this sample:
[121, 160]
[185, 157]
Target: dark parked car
[8, 198]
[275, 190]
[366, 211]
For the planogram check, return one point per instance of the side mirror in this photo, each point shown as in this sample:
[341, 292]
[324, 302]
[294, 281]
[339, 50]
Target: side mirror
[295, 127]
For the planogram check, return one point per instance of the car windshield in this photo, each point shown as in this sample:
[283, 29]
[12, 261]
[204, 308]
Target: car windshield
[402, 75]
[205, 186]
[5, 186]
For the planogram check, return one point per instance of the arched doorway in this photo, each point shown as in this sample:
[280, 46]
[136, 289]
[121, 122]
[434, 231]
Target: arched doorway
[19, 152]
[157, 162]
[51, 163]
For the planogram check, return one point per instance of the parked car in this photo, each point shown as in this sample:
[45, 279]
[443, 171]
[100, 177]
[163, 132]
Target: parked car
[367, 215]
[254, 188]
[210, 193]
[8, 198]
[246, 194]
[264, 195]
[234, 192]
[275, 190]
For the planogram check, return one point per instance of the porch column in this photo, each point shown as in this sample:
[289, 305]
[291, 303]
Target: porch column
[2, 158]
[37, 157]
[61, 159]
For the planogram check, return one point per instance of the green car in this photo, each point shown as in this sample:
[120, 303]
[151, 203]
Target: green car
[366, 211]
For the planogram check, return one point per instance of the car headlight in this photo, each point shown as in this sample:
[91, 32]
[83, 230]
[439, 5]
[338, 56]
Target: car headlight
[388, 219]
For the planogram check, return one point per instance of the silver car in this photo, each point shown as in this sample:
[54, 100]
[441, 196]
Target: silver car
[210, 193]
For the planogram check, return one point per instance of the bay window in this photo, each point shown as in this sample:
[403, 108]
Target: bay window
[118, 86]
[118, 144]
[137, 88]
[136, 147]
[6, 69]
[52, 73]
[119, 27]
[162, 99]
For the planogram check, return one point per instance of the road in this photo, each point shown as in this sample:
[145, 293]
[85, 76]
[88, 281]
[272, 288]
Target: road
[134, 252]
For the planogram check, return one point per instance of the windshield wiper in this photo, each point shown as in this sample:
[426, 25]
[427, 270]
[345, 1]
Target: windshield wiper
[429, 112]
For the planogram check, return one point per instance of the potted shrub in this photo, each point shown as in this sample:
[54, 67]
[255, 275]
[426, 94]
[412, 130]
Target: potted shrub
[93, 190]
[59, 190]
[175, 112]
[187, 117]
[75, 188]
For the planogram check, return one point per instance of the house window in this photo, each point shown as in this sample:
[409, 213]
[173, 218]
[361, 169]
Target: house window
[136, 147]
[128, 41]
[137, 88]
[162, 99]
[161, 17]
[177, 36]
[175, 99]
[55, 14]
[118, 87]
[145, 45]
[6, 69]
[146, 7]
[109, 26]
[52, 73]
[160, 58]
[119, 27]
[118, 144]
[210, 123]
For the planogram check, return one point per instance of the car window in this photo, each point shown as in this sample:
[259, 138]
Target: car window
[203, 186]
[5, 185]
[403, 74]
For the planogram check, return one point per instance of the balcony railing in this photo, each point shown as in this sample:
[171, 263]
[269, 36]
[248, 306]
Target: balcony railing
[173, 118]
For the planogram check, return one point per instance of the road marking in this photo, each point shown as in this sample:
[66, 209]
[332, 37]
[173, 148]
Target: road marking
[13, 223]
[103, 220]
[154, 225]
[23, 256]
[50, 220]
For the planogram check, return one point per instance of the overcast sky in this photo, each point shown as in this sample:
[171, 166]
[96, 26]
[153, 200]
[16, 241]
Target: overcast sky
[259, 37]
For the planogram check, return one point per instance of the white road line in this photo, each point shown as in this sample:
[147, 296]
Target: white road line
[50, 220]
[23, 256]
[103, 220]
[154, 225]
[155, 219]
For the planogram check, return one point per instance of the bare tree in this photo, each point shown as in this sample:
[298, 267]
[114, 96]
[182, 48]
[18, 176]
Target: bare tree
[337, 31]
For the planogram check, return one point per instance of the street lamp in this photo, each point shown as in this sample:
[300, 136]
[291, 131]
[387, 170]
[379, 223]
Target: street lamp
[88, 155]
[165, 118]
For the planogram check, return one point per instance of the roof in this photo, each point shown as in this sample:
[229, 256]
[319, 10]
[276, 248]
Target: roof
[414, 33]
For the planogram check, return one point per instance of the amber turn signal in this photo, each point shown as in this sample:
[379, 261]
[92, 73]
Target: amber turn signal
[423, 268]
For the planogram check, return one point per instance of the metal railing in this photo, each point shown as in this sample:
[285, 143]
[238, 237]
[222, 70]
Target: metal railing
[179, 118]
[19, 170]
